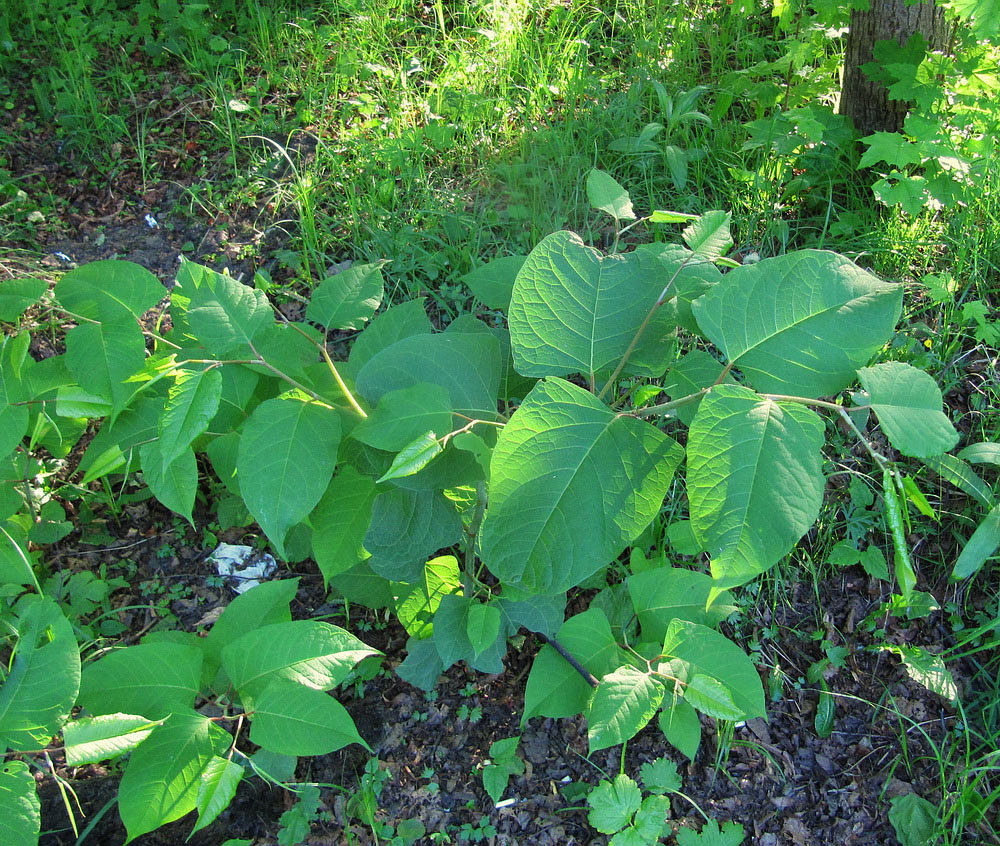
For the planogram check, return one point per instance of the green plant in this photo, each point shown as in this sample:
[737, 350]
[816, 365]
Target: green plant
[255, 667]
[450, 475]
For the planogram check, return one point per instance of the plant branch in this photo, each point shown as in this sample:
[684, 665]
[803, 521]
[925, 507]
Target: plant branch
[576, 665]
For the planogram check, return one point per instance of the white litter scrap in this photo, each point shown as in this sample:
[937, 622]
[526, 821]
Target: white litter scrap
[151, 222]
[242, 566]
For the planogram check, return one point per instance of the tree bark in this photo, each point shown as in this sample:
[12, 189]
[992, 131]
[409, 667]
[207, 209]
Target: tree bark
[864, 100]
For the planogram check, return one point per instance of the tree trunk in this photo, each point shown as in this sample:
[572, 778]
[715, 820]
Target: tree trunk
[864, 100]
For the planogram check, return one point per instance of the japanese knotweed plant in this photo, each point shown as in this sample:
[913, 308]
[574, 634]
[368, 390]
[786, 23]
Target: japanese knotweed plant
[256, 667]
[468, 478]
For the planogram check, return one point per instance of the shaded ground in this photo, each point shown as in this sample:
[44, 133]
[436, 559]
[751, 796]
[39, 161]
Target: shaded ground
[779, 779]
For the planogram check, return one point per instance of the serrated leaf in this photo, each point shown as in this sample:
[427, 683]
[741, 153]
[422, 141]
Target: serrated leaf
[606, 194]
[576, 311]
[908, 405]
[192, 402]
[216, 790]
[297, 720]
[660, 776]
[413, 457]
[149, 679]
[908, 192]
[493, 283]
[613, 803]
[406, 414]
[709, 236]
[224, 314]
[755, 479]
[680, 725]
[801, 323]
[175, 484]
[101, 288]
[305, 652]
[286, 458]
[161, 780]
[982, 15]
[730, 834]
[622, 705]
[348, 299]
[651, 819]
[706, 652]
[554, 688]
[20, 808]
[41, 686]
[893, 148]
[340, 521]
[571, 484]
[89, 740]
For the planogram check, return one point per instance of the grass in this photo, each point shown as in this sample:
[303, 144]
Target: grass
[437, 136]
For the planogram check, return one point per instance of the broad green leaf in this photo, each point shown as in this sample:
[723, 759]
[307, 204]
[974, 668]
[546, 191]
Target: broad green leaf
[914, 819]
[413, 457]
[422, 665]
[101, 288]
[452, 636]
[893, 148]
[613, 803]
[711, 697]
[576, 311]
[927, 669]
[693, 371]
[665, 593]
[542, 614]
[908, 192]
[956, 472]
[482, 626]
[987, 452]
[571, 485]
[709, 236]
[149, 679]
[363, 586]
[555, 689]
[90, 740]
[625, 701]
[18, 295]
[660, 776]
[306, 652]
[161, 780]
[980, 547]
[650, 822]
[216, 789]
[908, 405]
[982, 15]
[407, 527]
[416, 604]
[394, 324]
[708, 653]
[75, 402]
[192, 402]
[136, 425]
[263, 605]
[800, 323]
[465, 364]
[41, 686]
[754, 479]
[13, 427]
[102, 356]
[224, 314]
[340, 521]
[175, 484]
[347, 300]
[287, 455]
[681, 727]
[238, 398]
[493, 282]
[606, 194]
[20, 808]
[297, 720]
[403, 415]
